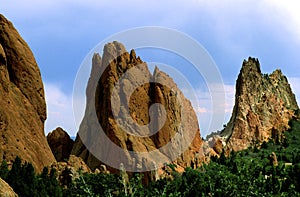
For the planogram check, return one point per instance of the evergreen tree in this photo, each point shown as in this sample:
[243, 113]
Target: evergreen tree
[4, 170]
[14, 178]
[66, 177]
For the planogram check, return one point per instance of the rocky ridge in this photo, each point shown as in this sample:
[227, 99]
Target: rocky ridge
[22, 101]
[180, 116]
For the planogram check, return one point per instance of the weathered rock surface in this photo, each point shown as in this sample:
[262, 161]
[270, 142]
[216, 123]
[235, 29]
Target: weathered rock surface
[6, 190]
[60, 143]
[180, 118]
[74, 164]
[264, 105]
[22, 101]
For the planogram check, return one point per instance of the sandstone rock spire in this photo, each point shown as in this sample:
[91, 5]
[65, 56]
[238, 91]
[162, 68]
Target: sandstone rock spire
[106, 72]
[22, 101]
[264, 105]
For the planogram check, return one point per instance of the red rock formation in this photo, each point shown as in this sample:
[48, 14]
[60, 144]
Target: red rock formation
[180, 119]
[22, 101]
[60, 143]
[264, 105]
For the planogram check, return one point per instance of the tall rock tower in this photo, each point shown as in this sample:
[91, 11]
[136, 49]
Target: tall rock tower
[264, 105]
[22, 101]
[176, 126]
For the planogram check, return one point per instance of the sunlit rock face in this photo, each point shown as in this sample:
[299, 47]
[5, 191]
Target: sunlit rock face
[264, 105]
[180, 118]
[22, 101]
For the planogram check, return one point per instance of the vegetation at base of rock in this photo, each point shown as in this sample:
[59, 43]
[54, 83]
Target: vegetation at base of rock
[24, 181]
[245, 173]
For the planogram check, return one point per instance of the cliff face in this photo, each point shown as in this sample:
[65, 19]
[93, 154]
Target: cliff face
[111, 100]
[22, 101]
[264, 105]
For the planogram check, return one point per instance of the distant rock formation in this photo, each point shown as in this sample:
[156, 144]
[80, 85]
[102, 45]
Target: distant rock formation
[6, 190]
[181, 119]
[264, 105]
[22, 101]
[60, 143]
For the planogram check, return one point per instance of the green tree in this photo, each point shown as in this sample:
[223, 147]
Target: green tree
[4, 170]
[66, 177]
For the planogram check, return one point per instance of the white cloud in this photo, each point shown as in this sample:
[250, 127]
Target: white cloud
[59, 109]
[203, 105]
[201, 110]
[288, 12]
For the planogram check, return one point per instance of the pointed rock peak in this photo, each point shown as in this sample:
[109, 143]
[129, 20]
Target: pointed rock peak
[114, 48]
[252, 65]
[96, 63]
[60, 143]
[96, 58]
[57, 132]
[264, 105]
[138, 103]
[277, 74]
[132, 54]
[156, 71]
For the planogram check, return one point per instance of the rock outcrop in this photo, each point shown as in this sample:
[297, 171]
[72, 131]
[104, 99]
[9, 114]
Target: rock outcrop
[60, 143]
[22, 101]
[264, 105]
[6, 190]
[74, 164]
[121, 99]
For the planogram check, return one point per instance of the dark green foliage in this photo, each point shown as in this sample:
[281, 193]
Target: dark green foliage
[66, 177]
[4, 170]
[25, 182]
[48, 184]
[92, 184]
[244, 173]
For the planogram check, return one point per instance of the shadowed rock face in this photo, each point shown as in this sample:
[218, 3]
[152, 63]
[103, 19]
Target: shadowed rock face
[60, 143]
[264, 105]
[148, 89]
[22, 101]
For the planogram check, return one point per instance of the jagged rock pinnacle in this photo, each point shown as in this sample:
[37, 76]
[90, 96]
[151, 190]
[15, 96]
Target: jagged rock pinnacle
[264, 105]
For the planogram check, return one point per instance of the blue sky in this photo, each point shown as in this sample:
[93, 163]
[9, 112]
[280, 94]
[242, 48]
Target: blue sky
[62, 32]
